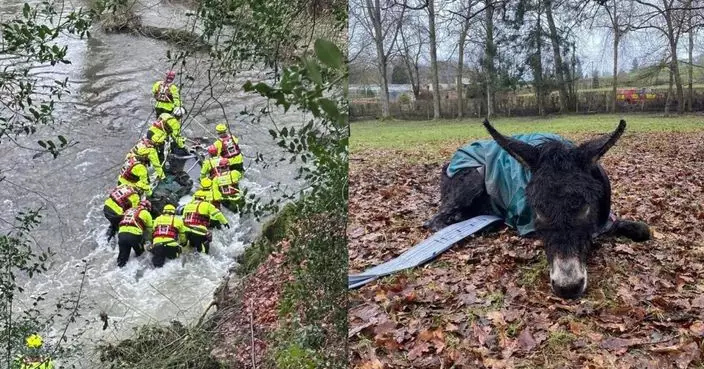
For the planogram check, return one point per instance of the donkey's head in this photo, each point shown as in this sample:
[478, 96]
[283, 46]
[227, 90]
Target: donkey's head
[565, 196]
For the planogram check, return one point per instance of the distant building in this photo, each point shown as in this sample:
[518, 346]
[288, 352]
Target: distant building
[365, 91]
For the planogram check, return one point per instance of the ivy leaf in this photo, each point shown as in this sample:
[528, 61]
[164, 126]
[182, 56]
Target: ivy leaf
[328, 53]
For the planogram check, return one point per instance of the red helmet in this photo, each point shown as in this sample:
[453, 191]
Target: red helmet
[170, 75]
[146, 204]
[212, 150]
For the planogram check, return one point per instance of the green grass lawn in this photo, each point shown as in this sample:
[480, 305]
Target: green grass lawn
[410, 135]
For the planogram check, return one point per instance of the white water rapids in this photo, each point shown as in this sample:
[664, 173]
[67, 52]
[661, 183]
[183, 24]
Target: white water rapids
[111, 77]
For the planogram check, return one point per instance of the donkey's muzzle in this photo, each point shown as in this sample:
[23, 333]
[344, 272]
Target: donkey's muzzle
[568, 278]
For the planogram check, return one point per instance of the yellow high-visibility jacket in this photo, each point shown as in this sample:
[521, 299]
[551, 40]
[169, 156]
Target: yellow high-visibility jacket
[227, 184]
[175, 128]
[228, 147]
[211, 194]
[153, 157]
[134, 173]
[169, 229]
[122, 198]
[167, 96]
[197, 215]
[136, 221]
[213, 167]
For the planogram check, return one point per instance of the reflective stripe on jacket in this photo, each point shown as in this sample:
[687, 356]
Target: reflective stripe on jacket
[169, 229]
[200, 214]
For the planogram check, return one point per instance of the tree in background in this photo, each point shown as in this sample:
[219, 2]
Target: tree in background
[595, 79]
[381, 20]
[399, 75]
[414, 38]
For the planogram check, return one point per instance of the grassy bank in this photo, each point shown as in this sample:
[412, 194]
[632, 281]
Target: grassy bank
[415, 136]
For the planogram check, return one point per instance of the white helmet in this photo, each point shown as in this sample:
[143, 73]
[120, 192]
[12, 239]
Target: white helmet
[179, 112]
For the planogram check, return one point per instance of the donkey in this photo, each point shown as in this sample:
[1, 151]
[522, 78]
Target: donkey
[567, 199]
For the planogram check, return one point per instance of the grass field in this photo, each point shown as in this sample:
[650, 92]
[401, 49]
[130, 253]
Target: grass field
[412, 135]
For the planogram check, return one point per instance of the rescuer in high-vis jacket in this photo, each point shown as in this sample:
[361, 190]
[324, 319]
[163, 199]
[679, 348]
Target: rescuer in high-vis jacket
[168, 236]
[198, 215]
[227, 184]
[227, 146]
[209, 192]
[120, 199]
[166, 94]
[33, 357]
[225, 180]
[149, 145]
[134, 172]
[166, 126]
[135, 226]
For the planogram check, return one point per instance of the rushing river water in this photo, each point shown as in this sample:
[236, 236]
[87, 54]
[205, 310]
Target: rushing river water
[111, 77]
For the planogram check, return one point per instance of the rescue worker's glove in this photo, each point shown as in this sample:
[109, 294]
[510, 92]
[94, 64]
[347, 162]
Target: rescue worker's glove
[226, 225]
[161, 176]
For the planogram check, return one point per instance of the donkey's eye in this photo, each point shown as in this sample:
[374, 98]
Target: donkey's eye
[584, 212]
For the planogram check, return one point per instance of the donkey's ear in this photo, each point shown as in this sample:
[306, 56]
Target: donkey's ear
[526, 154]
[593, 150]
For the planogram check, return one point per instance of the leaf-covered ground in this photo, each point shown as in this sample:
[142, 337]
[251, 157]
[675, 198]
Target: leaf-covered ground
[244, 328]
[486, 301]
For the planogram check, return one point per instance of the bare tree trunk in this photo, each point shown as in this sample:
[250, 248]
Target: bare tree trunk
[669, 91]
[690, 71]
[559, 67]
[460, 67]
[489, 53]
[617, 38]
[411, 62]
[434, 60]
[674, 62]
[537, 65]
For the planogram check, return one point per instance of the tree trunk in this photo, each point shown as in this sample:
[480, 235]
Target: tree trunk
[434, 60]
[489, 53]
[669, 92]
[537, 65]
[690, 71]
[617, 38]
[460, 67]
[559, 67]
[674, 62]
[375, 17]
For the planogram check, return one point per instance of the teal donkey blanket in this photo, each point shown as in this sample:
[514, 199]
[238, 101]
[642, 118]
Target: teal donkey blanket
[505, 178]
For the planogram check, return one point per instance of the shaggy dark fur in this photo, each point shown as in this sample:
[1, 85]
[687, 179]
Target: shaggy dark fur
[568, 191]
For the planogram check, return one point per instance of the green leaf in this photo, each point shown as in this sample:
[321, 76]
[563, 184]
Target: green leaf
[328, 53]
[273, 133]
[329, 107]
[313, 72]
